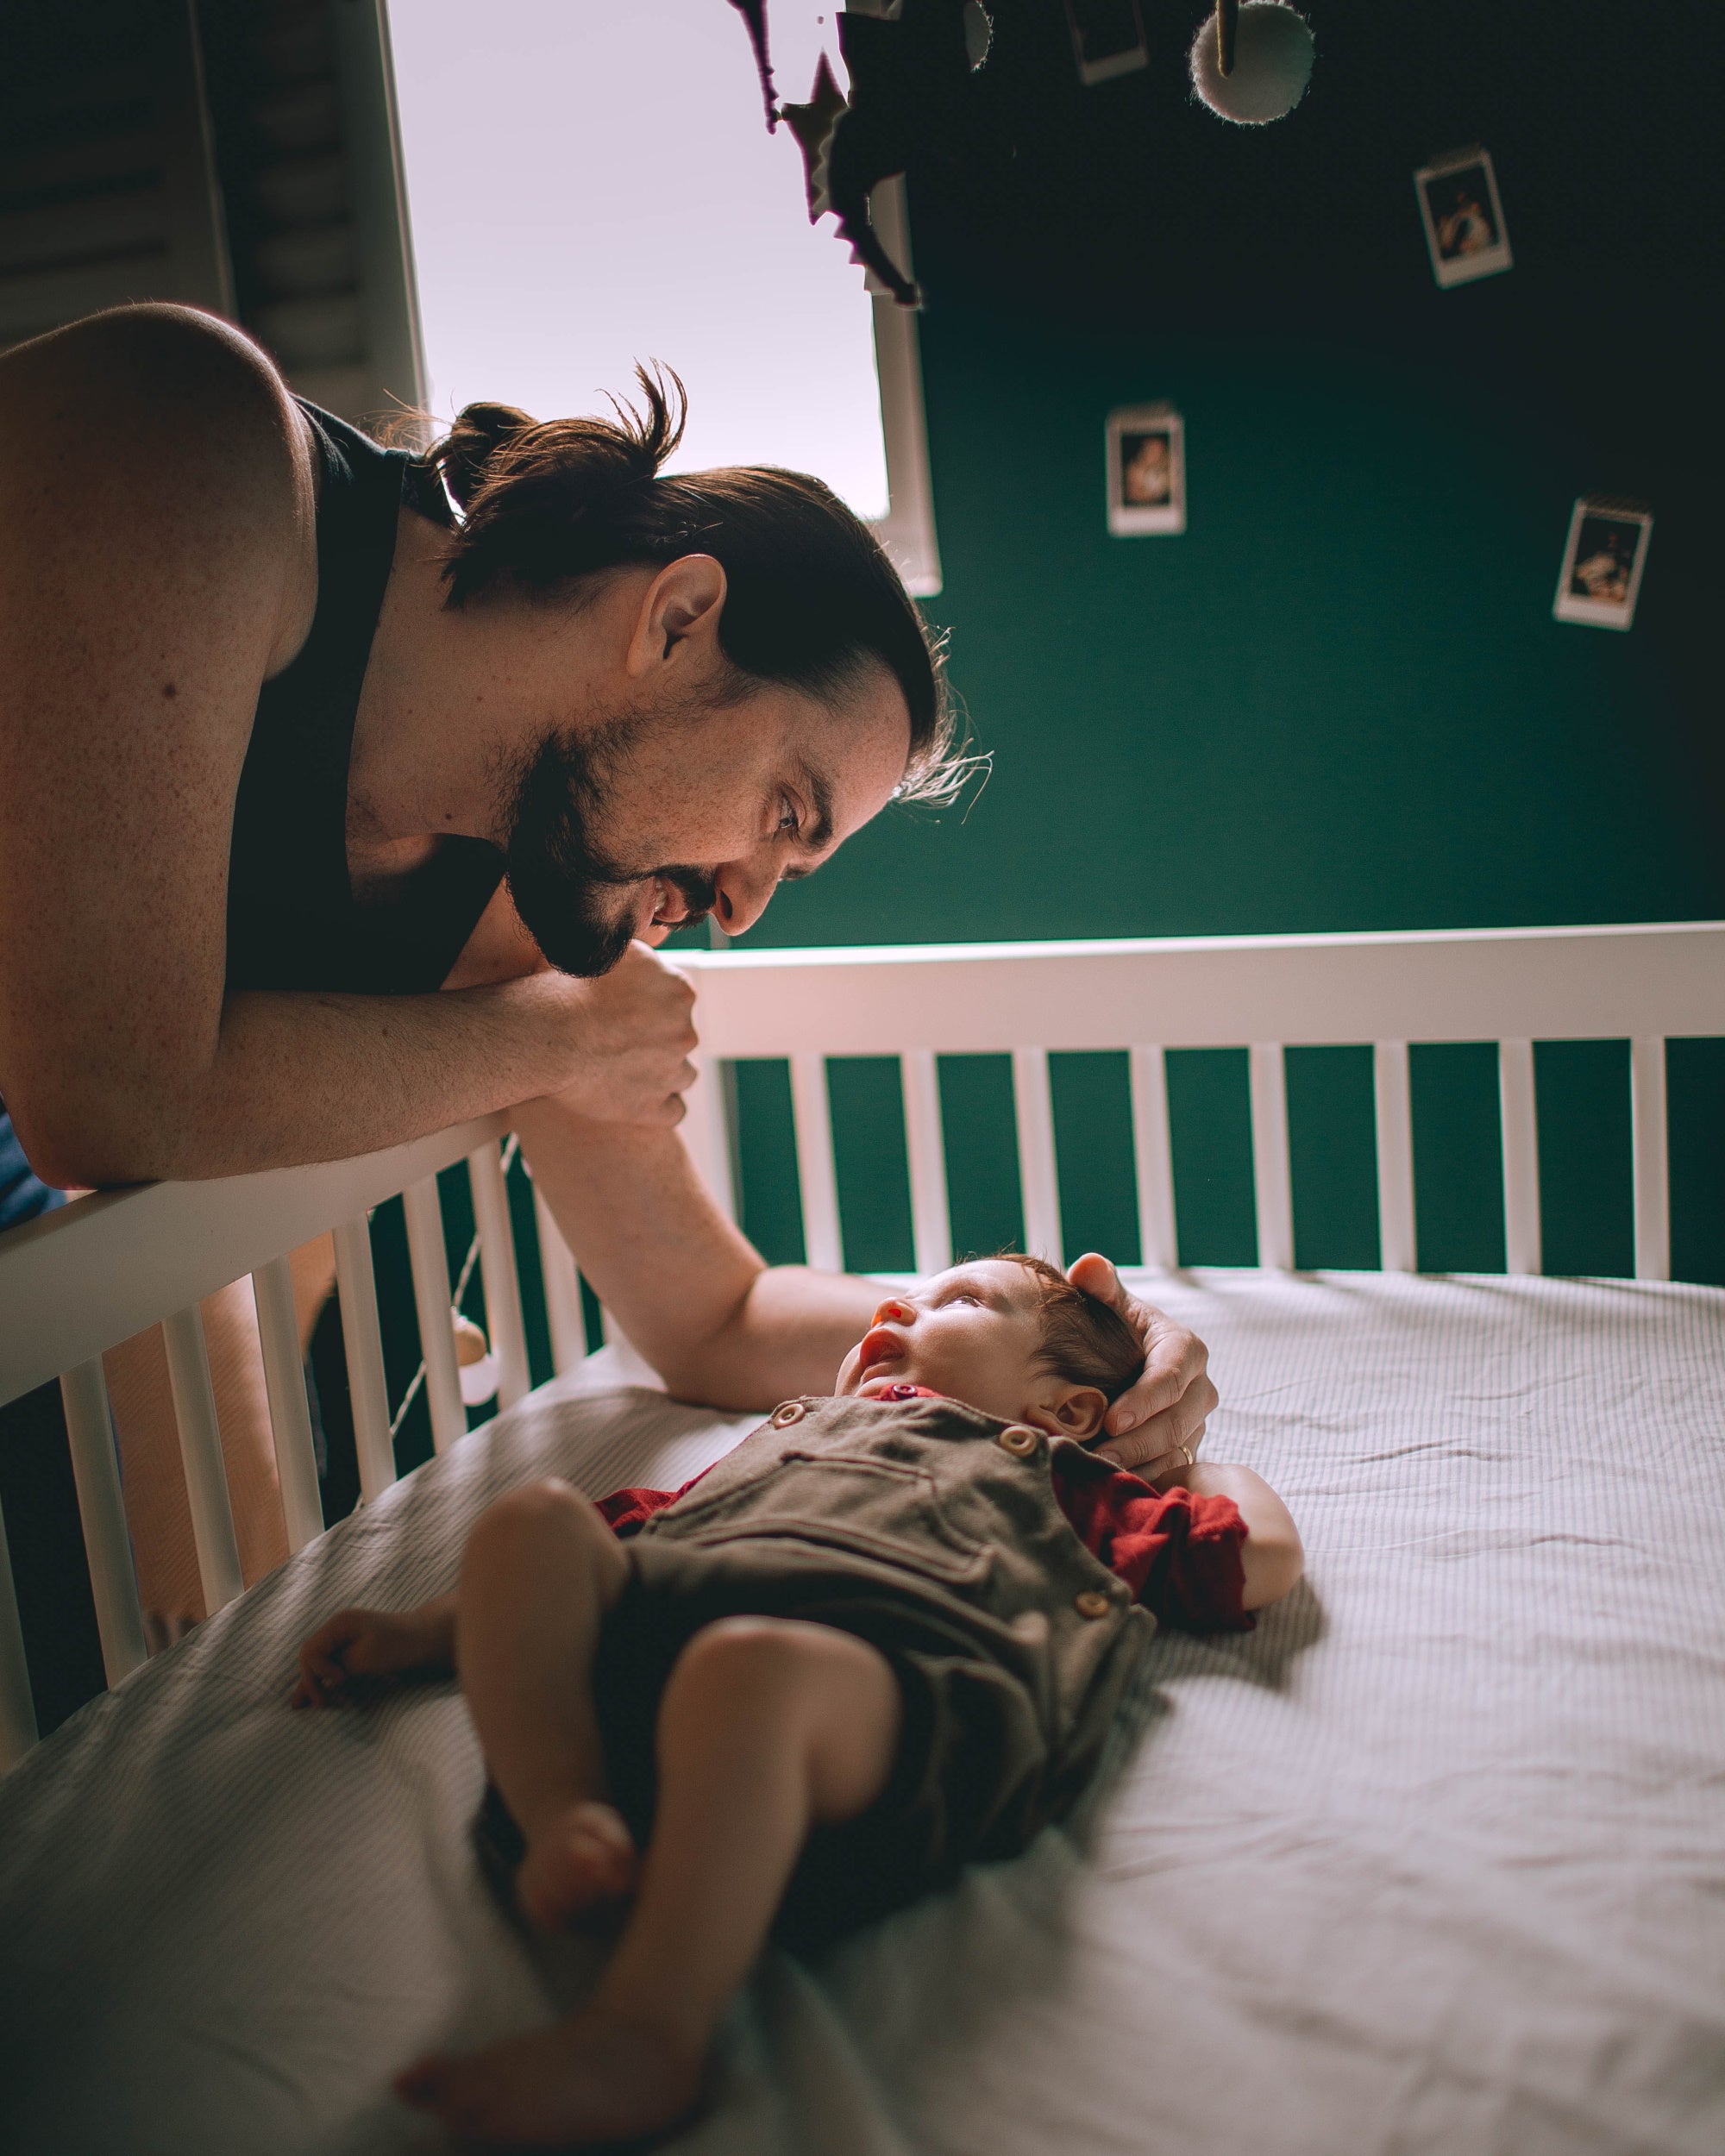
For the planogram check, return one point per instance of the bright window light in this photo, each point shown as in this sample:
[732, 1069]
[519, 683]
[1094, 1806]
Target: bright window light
[591, 183]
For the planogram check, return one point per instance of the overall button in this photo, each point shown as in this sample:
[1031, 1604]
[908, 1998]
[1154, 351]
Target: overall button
[1020, 1437]
[1093, 1602]
[791, 1411]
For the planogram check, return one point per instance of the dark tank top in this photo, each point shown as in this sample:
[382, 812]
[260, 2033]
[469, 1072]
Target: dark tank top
[293, 921]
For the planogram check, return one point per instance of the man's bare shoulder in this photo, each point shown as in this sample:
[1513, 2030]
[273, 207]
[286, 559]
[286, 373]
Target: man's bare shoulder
[158, 561]
[158, 430]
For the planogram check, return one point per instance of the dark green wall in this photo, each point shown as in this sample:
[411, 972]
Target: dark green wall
[1340, 700]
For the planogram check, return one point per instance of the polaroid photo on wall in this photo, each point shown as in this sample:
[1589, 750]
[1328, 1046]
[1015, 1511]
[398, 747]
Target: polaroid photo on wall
[1147, 470]
[1107, 39]
[1602, 562]
[1463, 217]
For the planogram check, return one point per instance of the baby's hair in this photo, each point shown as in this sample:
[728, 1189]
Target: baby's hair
[1084, 1340]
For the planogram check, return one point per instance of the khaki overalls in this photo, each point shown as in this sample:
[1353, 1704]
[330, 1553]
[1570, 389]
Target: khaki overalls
[931, 1531]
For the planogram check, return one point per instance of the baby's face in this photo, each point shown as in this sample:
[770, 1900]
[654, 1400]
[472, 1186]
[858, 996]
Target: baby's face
[973, 1334]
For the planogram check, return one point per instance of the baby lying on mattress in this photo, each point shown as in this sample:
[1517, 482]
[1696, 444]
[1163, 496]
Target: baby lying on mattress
[882, 1638]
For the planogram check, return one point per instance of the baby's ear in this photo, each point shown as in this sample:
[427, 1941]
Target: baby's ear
[1077, 1412]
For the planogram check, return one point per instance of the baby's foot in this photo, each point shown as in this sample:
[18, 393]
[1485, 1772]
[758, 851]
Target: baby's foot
[596, 2076]
[582, 1861]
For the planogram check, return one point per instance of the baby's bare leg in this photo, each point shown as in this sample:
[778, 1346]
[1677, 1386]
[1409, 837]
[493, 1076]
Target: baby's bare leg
[768, 1728]
[539, 1572]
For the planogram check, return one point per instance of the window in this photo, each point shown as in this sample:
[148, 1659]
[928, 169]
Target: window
[590, 184]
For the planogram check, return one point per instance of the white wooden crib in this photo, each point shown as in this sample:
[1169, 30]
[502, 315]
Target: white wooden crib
[103, 1268]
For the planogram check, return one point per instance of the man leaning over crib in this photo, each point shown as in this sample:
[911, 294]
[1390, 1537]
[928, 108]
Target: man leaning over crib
[346, 788]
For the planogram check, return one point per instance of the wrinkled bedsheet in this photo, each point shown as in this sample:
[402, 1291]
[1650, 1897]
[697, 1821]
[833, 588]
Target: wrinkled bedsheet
[1434, 1861]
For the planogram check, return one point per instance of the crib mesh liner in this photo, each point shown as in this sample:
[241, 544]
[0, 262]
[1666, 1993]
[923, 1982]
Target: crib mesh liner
[1433, 1861]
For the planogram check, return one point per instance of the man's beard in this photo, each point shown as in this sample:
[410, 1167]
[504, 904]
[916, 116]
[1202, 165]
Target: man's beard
[559, 876]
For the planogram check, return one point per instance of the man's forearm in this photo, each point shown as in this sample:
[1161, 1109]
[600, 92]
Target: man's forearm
[789, 1337]
[691, 1292]
[309, 1077]
[373, 1070]
[270, 1080]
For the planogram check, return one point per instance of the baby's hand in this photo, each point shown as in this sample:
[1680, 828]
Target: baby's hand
[357, 1652]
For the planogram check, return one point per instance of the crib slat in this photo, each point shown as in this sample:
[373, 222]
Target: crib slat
[295, 1456]
[1397, 1236]
[1272, 1189]
[562, 1291]
[107, 1544]
[200, 1448]
[1651, 1159]
[1519, 1118]
[18, 1708]
[367, 1386]
[823, 1244]
[926, 1149]
[502, 1280]
[429, 1261]
[705, 1134]
[1153, 1160]
[1039, 1173]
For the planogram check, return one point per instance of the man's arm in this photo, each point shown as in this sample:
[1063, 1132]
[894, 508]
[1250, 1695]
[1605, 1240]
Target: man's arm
[692, 1294]
[722, 1326]
[315, 1077]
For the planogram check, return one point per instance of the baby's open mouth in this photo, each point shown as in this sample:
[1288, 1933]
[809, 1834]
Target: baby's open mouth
[876, 1350]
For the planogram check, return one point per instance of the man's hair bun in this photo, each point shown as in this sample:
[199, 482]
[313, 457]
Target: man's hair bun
[479, 431]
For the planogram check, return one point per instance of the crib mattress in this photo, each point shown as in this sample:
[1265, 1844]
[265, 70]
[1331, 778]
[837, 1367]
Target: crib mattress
[1433, 1861]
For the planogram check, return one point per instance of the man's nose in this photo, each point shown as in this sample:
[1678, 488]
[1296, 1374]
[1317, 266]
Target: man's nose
[741, 891]
[894, 1313]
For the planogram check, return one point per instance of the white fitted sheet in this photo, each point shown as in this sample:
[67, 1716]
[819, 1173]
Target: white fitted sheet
[1434, 1861]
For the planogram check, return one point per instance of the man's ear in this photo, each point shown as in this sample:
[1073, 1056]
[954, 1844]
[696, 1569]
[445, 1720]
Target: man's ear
[1070, 1411]
[679, 610]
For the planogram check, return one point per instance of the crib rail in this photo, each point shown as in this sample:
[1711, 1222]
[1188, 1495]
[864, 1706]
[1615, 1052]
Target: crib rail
[1512, 987]
[80, 1279]
[77, 1282]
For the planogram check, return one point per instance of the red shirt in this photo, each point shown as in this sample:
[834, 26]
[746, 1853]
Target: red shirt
[1178, 1552]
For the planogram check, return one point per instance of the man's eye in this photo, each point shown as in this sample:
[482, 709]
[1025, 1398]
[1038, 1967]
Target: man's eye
[790, 821]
